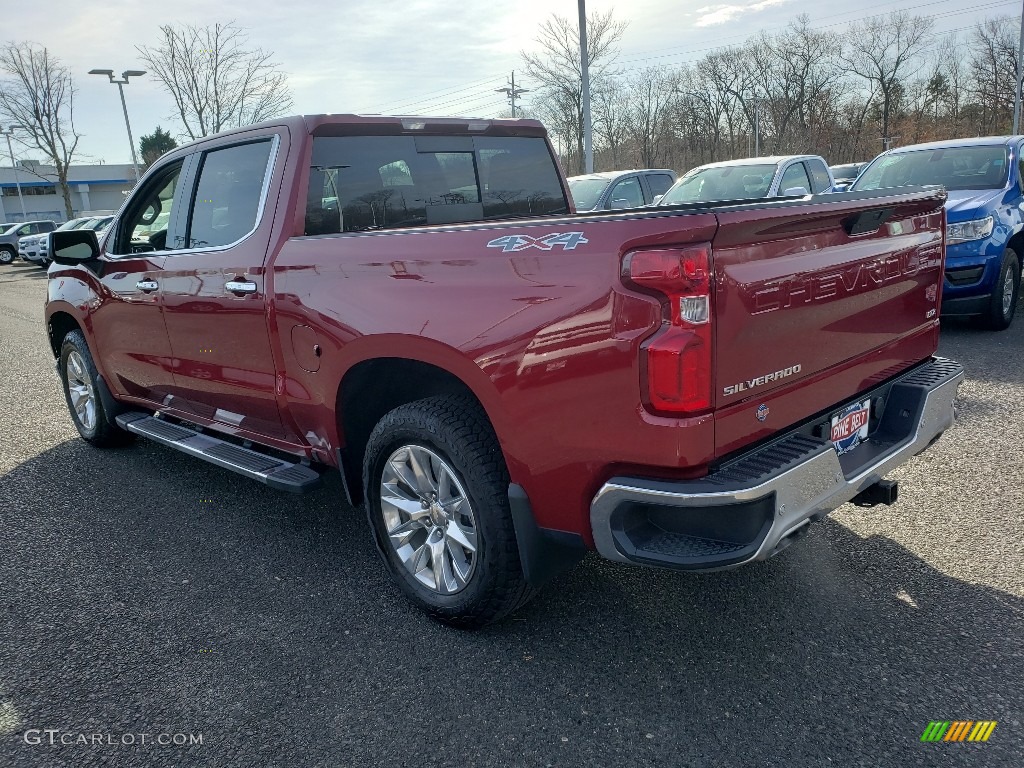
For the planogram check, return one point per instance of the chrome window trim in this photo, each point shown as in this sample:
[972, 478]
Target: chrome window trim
[268, 175]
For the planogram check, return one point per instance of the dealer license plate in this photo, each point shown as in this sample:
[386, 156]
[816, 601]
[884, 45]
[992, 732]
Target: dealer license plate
[850, 426]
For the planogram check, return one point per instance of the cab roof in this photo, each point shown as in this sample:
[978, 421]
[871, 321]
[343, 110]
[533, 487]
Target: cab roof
[977, 141]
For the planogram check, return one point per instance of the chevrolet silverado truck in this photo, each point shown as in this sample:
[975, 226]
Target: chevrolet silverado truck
[503, 383]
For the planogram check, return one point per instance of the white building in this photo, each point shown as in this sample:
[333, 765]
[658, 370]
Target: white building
[94, 189]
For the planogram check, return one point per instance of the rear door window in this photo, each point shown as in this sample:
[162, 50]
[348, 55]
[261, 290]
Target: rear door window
[795, 176]
[659, 183]
[626, 194]
[366, 183]
[819, 175]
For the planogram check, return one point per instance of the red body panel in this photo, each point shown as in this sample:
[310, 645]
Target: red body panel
[548, 340]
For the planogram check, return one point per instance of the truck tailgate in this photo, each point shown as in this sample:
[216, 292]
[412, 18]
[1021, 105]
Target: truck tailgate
[816, 302]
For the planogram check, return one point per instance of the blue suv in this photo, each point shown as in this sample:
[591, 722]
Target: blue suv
[984, 217]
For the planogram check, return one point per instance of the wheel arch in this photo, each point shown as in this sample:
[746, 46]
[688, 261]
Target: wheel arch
[373, 386]
[59, 323]
[1016, 242]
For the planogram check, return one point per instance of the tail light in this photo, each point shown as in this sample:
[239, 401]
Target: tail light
[676, 361]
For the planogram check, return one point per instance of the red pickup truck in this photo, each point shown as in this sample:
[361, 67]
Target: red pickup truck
[503, 382]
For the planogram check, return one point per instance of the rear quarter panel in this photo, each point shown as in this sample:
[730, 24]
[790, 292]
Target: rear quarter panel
[547, 339]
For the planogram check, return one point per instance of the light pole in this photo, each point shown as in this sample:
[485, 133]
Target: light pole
[1016, 90]
[120, 87]
[17, 182]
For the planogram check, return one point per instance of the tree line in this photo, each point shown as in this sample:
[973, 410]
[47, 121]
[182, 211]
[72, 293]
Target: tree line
[884, 81]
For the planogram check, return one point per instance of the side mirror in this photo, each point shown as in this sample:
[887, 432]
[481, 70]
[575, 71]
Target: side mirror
[73, 246]
[619, 204]
[795, 192]
[657, 199]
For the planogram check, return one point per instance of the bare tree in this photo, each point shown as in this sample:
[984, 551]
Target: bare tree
[558, 71]
[885, 51]
[993, 64]
[651, 94]
[39, 95]
[216, 80]
[610, 128]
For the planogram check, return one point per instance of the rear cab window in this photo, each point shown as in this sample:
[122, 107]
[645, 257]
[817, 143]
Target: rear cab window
[367, 183]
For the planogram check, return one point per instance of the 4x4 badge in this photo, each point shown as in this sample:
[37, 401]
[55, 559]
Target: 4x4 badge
[567, 240]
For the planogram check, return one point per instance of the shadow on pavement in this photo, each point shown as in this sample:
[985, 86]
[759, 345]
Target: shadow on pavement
[147, 592]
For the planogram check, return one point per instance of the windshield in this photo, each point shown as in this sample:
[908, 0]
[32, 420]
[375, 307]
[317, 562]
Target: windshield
[586, 192]
[73, 224]
[8, 230]
[724, 182]
[982, 167]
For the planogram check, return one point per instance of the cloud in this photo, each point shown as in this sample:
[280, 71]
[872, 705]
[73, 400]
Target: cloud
[710, 15]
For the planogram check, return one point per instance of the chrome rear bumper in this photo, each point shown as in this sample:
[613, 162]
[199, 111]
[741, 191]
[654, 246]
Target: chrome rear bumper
[754, 505]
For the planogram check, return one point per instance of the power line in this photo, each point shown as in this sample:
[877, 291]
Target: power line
[440, 93]
[470, 101]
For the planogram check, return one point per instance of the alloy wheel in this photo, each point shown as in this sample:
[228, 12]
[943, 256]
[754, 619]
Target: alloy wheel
[428, 519]
[81, 391]
[1008, 293]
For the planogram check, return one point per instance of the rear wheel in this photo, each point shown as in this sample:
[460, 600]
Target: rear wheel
[1003, 302]
[6, 254]
[436, 491]
[80, 379]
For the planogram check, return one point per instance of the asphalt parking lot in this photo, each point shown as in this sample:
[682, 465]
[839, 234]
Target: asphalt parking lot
[144, 592]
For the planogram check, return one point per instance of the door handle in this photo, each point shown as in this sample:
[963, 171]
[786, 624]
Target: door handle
[147, 286]
[240, 286]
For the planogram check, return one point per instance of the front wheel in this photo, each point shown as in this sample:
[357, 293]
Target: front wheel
[1003, 302]
[80, 379]
[436, 490]
[6, 255]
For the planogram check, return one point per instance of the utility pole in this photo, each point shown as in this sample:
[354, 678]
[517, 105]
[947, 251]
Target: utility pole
[1016, 90]
[512, 92]
[17, 182]
[887, 141]
[588, 142]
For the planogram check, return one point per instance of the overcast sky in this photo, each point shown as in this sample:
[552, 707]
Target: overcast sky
[413, 57]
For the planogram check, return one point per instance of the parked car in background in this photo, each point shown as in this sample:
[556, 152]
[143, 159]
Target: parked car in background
[753, 177]
[35, 248]
[9, 237]
[984, 222]
[620, 189]
[845, 175]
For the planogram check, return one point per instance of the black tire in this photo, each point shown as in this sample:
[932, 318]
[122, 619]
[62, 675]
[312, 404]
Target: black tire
[998, 317]
[456, 430]
[99, 432]
[7, 254]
